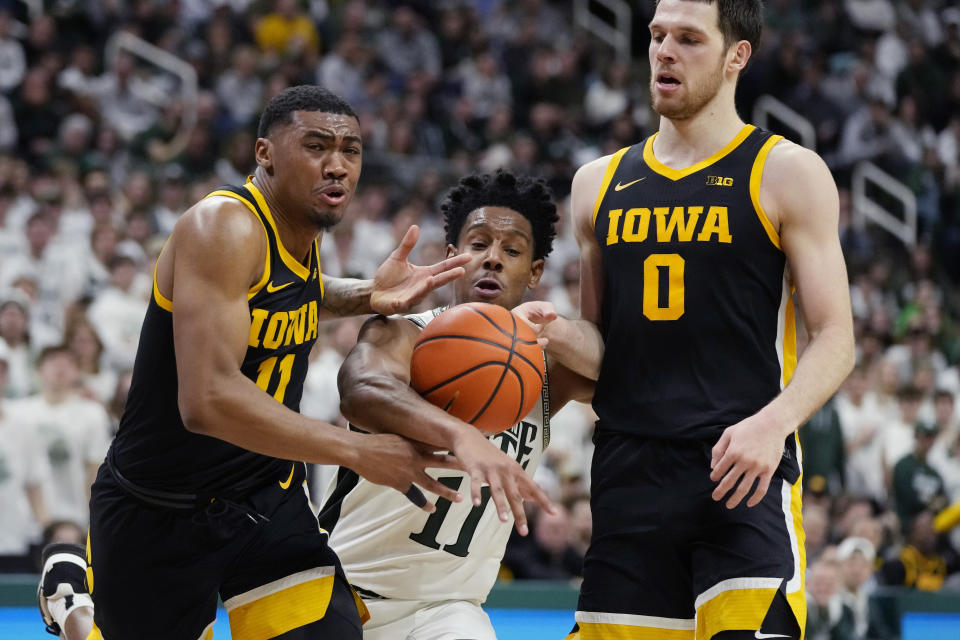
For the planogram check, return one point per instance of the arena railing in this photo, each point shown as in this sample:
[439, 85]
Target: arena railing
[873, 204]
[767, 107]
[124, 42]
[618, 35]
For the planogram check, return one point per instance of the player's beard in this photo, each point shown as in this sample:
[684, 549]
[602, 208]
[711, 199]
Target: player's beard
[324, 219]
[696, 98]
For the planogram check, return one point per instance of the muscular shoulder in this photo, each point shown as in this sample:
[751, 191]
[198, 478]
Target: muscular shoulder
[222, 230]
[584, 190]
[796, 183]
[396, 333]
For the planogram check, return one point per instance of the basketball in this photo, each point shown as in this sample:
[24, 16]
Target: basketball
[481, 364]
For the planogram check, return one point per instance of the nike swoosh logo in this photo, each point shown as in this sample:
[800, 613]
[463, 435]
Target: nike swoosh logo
[286, 485]
[272, 289]
[762, 636]
[621, 187]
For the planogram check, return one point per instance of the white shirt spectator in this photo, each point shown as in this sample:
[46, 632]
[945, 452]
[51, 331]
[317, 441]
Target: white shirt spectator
[23, 466]
[74, 435]
[117, 316]
[862, 424]
[13, 62]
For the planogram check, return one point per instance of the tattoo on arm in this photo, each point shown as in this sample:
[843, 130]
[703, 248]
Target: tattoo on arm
[344, 297]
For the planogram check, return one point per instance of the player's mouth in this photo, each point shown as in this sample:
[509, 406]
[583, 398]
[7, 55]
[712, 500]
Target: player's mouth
[333, 194]
[667, 82]
[487, 288]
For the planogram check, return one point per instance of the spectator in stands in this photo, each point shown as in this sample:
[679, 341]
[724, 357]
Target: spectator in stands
[13, 62]
[117, 312]
[97, 382]
[73, 432]
[548, 554]
[916, 485]
[898, 434]
[15, 335]
[286, 31]
[829, 617]
[861, 421]
[409, 50]
[24, 472]
[821, 439]
[918, 565]
[856, 557]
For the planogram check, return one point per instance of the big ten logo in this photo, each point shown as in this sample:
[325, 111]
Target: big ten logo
[719, 181]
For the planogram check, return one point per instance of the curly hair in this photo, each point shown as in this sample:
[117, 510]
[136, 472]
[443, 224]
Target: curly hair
[304, 97]
[530, 197]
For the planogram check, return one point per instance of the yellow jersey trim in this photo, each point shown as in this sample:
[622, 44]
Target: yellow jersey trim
[607, 177]
[255, 289]
[292, 263]
[797, 599]
[755, 176]
[162, 301]
[94, 633]
[316, 247]
[282, 611]
[676, 174]
[603, 631]
[737, 609]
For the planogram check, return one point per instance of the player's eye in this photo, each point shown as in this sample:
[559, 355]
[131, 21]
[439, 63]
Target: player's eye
[479, 246]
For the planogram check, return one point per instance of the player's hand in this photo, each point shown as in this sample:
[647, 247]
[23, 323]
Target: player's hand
[400, 463]
[398, 285]
[747, 452]
[537, 314]
[509, 483]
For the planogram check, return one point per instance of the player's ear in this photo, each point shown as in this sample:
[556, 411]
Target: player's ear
[263, 152]
[536, 272]
[741, 55]
[451, 251]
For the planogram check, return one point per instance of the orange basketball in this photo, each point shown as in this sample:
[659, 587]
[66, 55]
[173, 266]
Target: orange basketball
[480, 363]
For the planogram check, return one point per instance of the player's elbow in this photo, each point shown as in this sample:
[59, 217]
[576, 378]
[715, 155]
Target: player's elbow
[362, 395]
[197, 411]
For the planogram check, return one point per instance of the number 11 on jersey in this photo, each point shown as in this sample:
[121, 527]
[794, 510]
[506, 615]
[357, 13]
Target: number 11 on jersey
[428, 536]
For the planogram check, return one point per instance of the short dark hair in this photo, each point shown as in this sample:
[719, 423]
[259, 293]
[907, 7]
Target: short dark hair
[530, 197]
[55, 350]
[739, 20]
[304, 97]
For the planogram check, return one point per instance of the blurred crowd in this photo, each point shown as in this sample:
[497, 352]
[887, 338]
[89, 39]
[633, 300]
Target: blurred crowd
[102, 148]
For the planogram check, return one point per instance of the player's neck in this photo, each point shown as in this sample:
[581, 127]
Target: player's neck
[295, 232]
[683, 143]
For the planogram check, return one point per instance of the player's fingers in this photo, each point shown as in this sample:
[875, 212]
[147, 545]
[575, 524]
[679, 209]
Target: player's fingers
[442, 490]
[500, 501]
[443, 277]
[761, 491]
[450, 264]
[476, 484]
[417, 293]
[722, 465]
[530, 490]
[443, 461]
[406, 245]
[516, 506]
[414, 495]
[718, 450]
[743, 488]
[727, 483]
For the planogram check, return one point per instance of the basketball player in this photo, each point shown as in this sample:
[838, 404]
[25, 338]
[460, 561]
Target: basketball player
[202, 490]
[692, 242]
[424, 576]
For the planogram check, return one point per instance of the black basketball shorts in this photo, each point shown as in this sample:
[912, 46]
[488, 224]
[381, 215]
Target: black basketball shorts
[156, 572]
[667, 561]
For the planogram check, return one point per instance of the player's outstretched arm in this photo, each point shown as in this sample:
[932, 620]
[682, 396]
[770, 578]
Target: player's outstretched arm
[216, 253]
[799, 196]
[577, 344]
[396, 287]
[375, 394]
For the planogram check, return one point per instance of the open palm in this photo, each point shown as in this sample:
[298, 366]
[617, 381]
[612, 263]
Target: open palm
[398, 285]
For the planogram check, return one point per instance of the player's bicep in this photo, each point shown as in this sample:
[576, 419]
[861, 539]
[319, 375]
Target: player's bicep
[215, 258]
[807, 205]
[567, 386]
[384, 347]
[584, 192]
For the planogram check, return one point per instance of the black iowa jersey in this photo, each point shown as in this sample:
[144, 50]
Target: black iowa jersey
[697, 315]
[153, 449]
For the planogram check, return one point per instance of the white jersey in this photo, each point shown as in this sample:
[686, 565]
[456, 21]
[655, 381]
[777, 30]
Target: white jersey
[393, 549]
